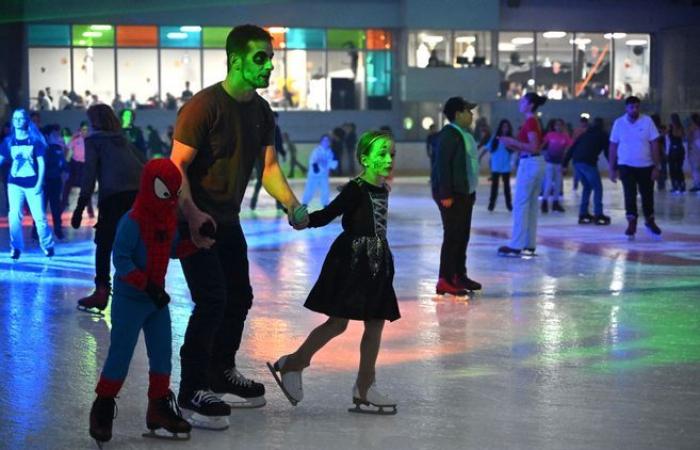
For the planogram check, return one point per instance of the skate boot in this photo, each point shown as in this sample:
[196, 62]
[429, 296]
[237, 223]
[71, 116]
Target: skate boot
[601, 219]
[451, 287]
[631, 228]
[545, 207]
[507, 251]
[378, 403]
[467, 283]
[585, 219]
[652, 228]
[164, 413]
[289, 382]
[556, 206]
[529, 252]
[15, 254]
[205, 410]
[102, 413]
[96, 302]
[237, 390]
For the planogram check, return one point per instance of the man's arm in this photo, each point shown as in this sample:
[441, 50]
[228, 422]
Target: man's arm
[447, 147]
[612, 161]
[182, 156]
[275, 183]
[656, 157]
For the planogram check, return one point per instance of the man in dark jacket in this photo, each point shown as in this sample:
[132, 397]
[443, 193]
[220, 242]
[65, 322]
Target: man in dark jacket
[585, 152]
[454, 178]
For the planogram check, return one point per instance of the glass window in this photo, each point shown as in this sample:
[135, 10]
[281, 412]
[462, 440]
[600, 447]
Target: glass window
[137, 36]
[632, 65]
[472, 48]
[554, 64]
[279, 36]
[93, 36]
[341, 38]
[51, 35]
[378, 39]
[215, 37]
[214, 66]
[516, 53]
[592, 65]
[181, 37]
[346, 74]
[93, 70]
[178, 67]
[137, 74]
[49, 67]
[277, 93]
[379, 80]
[306, 79]
[429, 48]
[301, 38]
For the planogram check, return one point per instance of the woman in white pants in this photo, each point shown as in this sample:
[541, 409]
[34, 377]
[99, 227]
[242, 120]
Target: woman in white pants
[321, 162]
[529, 178]
[25, 148]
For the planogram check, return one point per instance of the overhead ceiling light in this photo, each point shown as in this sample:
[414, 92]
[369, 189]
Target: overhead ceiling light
[93, 34]
[522, 40]
[277, 30]
[176, 35]
[580, 41]
[614, 35]
[585, 116]
[554, 34]
[431, 39]
[633, 42]
[465, 39]
[191, 29]
[100, 27]
[506, 47]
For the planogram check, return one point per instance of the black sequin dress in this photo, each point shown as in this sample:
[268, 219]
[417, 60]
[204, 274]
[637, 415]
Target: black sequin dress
[357, 275]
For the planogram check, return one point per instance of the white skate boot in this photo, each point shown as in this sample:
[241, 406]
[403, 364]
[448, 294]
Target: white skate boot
[289, 382]
[375, 400]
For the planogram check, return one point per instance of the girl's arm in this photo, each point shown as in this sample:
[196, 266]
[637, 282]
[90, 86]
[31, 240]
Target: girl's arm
[343, 203]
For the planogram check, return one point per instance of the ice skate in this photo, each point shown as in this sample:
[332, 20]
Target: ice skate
[203, 409]
[96, 302]
[237, 390]
[631, 228]
[164, 420]
[289, 382]
[451, 287]
[602, 219]
[467, 283]
[556, 207]
[373, 403]
[529, 252]
[653, 229]
[102, 414]
[585, 219]
[15, 254]
[510, 252]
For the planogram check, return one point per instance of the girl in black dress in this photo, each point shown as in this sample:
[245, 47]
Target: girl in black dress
[356, 280]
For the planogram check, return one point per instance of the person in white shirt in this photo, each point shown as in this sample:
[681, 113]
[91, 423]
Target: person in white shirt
[635, 158]
[321, 162]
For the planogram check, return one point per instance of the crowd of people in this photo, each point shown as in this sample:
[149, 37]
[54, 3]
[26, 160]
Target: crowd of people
[206, 177]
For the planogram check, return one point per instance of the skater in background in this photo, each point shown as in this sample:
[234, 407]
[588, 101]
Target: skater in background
[528, 180]
[76, 166]
[56, 167]
[585, 153]
[25, 148]
[356, 280]
[554, 146]
[146, 238]
[133, 133]
[321, 162]
[694, 150]
[500, 164]
[663, 152]
[675, 154]
[454, 179]
[116, 165]
[634, 157]
[293, 161]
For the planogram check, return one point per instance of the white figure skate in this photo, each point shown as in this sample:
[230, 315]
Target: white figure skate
[290, 382]
[374, 402]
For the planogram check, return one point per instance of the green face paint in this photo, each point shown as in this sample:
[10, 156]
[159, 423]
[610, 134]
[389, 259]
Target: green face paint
[379, 161]
[127, 118]
[257, 64]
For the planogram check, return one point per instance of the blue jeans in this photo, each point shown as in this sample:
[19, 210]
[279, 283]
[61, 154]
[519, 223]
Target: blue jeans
[17, 196]
[528, 183]
[590, 178]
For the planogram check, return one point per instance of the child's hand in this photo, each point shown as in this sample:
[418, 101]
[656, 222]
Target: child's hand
[299, 217]
[157, 295]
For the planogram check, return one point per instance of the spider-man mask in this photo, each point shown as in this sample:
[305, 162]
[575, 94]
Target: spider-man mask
[160, 188]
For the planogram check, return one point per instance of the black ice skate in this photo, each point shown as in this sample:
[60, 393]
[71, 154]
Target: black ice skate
[652, 228]
[96, 302]
[164, 413]
[510, 252]
[373, 403]
[237, 390]
[631, 228]
[205, 410]
[102, 414]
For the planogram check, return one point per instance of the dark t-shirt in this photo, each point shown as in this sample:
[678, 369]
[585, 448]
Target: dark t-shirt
[23, 154]
[229, 137]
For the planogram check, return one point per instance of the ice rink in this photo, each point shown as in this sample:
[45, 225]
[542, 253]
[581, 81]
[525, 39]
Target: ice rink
[595, 343]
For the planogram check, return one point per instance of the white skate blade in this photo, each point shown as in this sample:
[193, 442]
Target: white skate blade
[273, 371]
[197, 420]
[237, 402]
[363, 407]
[164, 434]
[93, 311]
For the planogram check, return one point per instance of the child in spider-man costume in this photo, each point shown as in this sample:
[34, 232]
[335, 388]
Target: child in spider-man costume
[146, 238]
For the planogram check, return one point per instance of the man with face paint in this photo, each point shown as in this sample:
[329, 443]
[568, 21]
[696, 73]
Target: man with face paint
[131, 131]
[219, 135]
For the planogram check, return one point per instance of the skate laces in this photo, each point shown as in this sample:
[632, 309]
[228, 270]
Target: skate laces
[235, 377]
[205, 397]
[173, 407]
